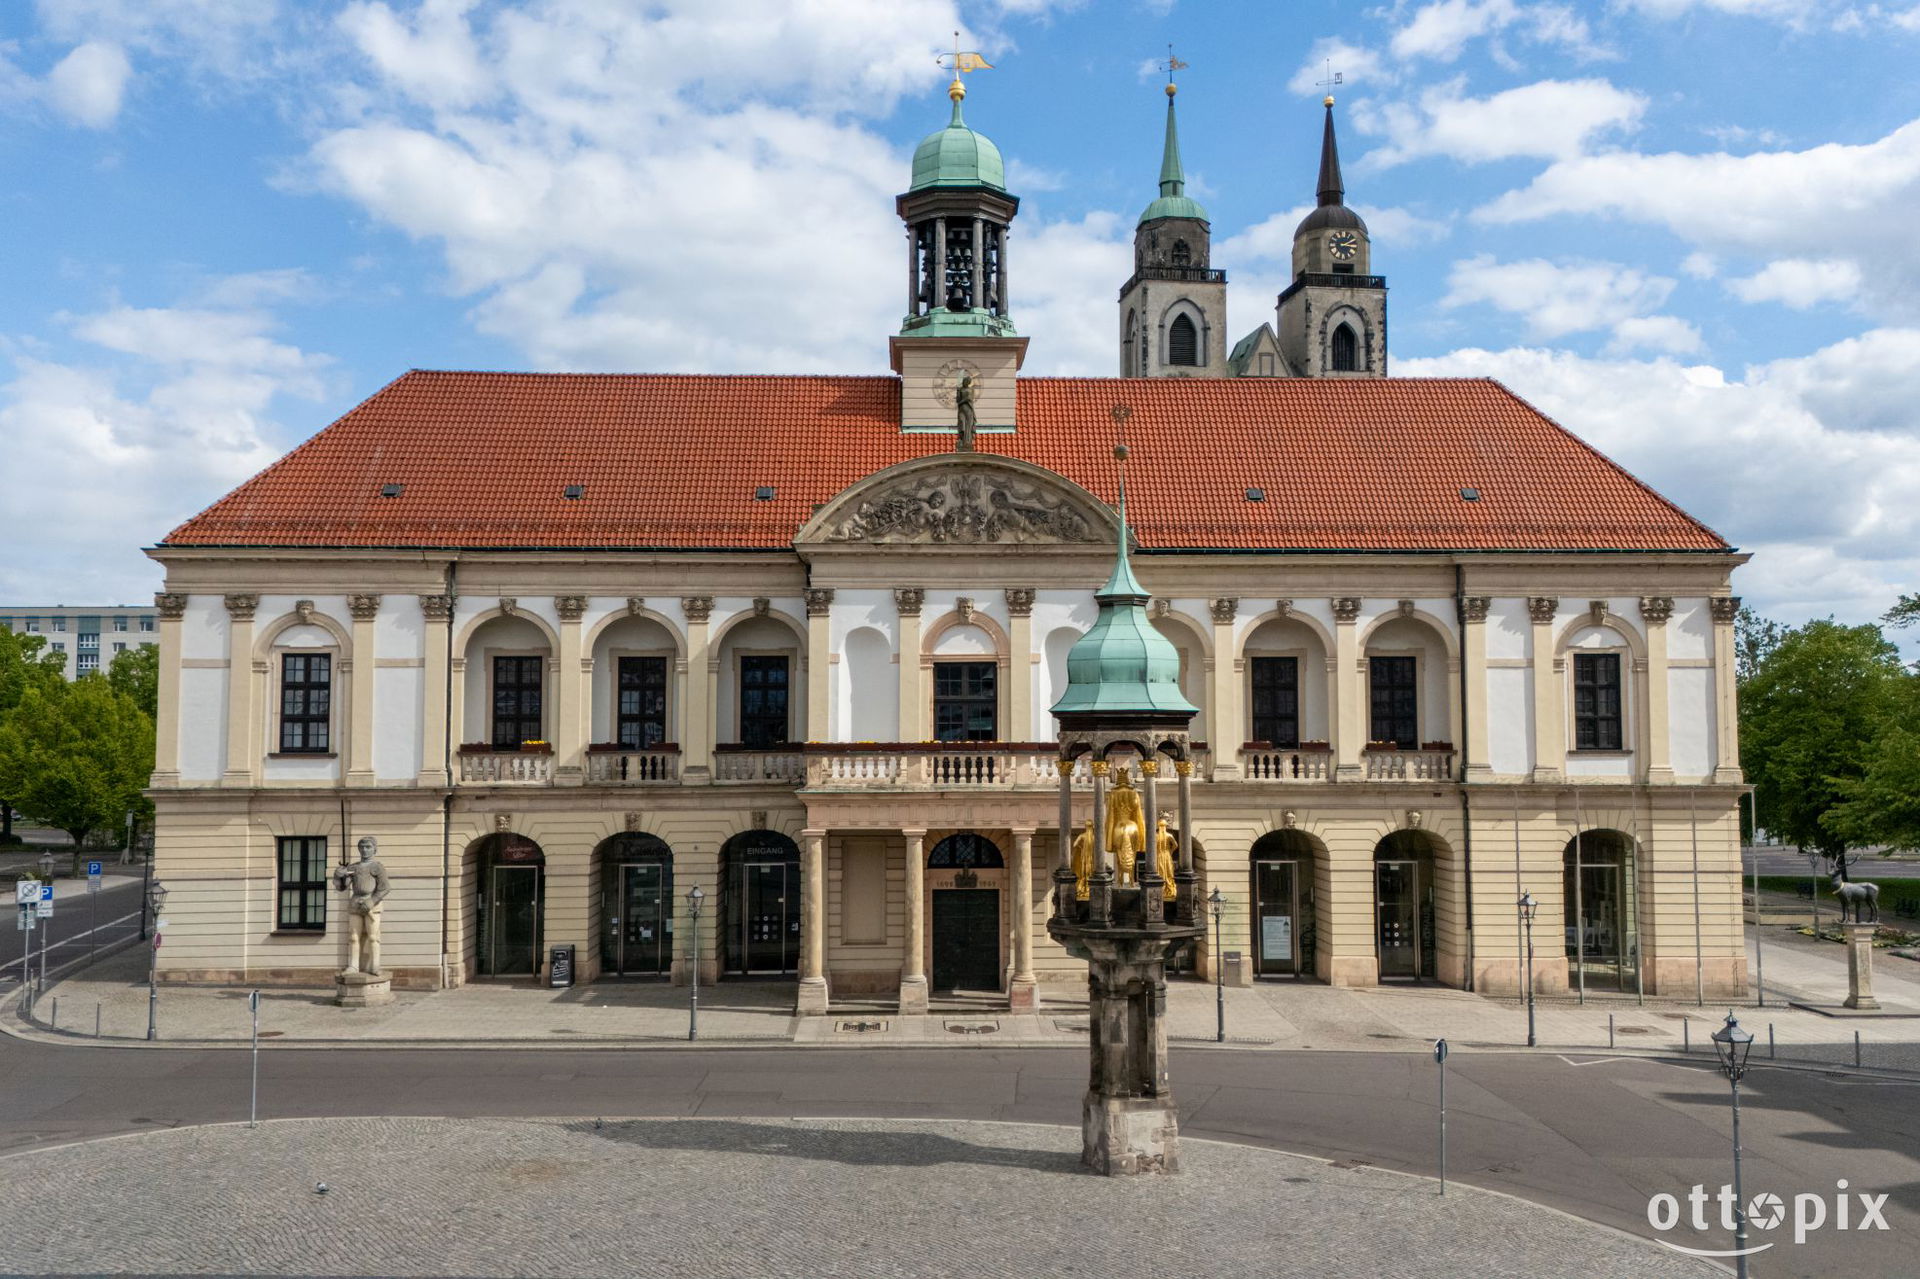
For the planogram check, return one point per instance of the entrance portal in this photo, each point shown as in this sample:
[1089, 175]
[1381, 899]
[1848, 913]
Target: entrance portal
[1283, 904]
[1403, 907]
[509, 906]
[1603, 943]
[964, 874]
[760, 884]
[637, 897]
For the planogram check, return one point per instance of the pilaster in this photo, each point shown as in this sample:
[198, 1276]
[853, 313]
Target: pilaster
[1655, 610]
[698, 717]
[819, 664]
[1549, 738]
[435, 613]
[1726, 719]
[1023, 991]
[1473, 657]
[242, 753]
[913, 964]
[570, 750]
[812, 997]
[1228, 726]
[907, 601]
[1019, 664]
[1349, 688]
[166, 744]
[359, 761]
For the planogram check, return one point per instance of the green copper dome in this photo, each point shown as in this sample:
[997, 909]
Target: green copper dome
[1123, 665]
[1174, 202]
[956, 156]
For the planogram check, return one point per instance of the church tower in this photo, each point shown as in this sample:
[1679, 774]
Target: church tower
[957, 325]
[1332, 319]
[1173, 311]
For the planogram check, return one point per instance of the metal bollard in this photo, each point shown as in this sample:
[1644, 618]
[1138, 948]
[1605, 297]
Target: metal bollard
[96, 1019]
[1686, 1036]
[1609, 1030]
[1856, 1042]
[1770, 1053]
[53, 1023]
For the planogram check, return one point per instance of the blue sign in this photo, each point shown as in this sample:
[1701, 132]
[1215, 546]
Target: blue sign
[93, 870]
[46, 892]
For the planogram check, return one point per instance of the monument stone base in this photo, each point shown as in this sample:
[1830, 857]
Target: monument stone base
[362, 990]
[1859, 943]
[1125, 1136]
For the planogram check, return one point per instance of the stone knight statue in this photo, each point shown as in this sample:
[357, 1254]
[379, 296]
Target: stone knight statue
[1126, 827]
[965, 421]
[366, 881]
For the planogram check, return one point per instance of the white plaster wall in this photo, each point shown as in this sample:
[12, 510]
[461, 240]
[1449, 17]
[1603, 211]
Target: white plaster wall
[298, 768]
[1510, 720]
[501, 635]
[398, 708]
[871, 703]
[1193, 673]
[303, 635]
[1509, 628]
[1691, 729]
[854, 609]
[203, 723]
[1690, 630]
[964, 641]
[203, 628]
[1609, 765]
[273, 607]
[1058, 643]
[1604, 637]
[400, 628]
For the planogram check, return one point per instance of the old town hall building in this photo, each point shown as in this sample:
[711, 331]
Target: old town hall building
[572, 645]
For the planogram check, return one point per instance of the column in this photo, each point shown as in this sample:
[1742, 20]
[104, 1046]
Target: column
[1063, 865]
[813, 922]
[1188, 882]
[1100, 892]
[571, 728]
[1549, 740]
[1726, 719]
[1023, 992]
[1019, 665]
[1228, 726]
[359, 760]
[1146, 866]
[1655, 610]
[819, 668]
[939, 271]
[975, 297]
[913, 963]
[697, 719]
[1349, 690]
[241, 757]
[436, 611]
[166, 743]
[906, 602]
[913, 270]
[1000, 276]
[1473, 663]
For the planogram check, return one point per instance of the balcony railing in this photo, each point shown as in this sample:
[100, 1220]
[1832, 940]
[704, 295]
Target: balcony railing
[936, 766]
[506, 768]
[1285, 765]
[632, 768]
[749, 767]
[1407, 766]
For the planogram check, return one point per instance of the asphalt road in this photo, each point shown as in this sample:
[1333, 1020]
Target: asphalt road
[1775, 860]
[1593, 1136]
[73, 919]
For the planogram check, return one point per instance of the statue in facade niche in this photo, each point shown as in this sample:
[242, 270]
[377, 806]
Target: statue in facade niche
[367, 881]
[1126, 827]
[1082, 863]
[1164, 846]
[964, 420]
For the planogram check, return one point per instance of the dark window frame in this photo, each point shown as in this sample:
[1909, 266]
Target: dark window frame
[1343, 349]
[301, 899]
[971, 688]
[306, 703]
[1598, 720]
[519, 700]
[1274, 701]
[640, 700]
[1183, 351]
[1393, 702]
[766, 707]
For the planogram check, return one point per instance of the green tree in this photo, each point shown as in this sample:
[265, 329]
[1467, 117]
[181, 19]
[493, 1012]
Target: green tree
[1905, 613]
[76, 757]
[1754, 638]
[24, 663]
[1883, 804]
[1810, 719]
[136, 673]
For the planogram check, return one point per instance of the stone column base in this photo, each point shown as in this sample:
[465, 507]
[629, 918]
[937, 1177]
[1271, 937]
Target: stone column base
[1353, 970]
[361, 990]
[1125, 1136]
[1023, 995]
[812, 1001]
[913, 995]
[1860, 966]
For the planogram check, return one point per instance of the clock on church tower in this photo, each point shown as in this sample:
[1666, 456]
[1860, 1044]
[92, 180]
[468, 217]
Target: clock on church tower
[1332, 319]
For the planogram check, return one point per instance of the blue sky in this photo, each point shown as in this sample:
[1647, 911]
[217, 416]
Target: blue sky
[1680, 226]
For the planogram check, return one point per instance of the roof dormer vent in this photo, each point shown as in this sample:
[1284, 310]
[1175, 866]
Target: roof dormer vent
[392, 490]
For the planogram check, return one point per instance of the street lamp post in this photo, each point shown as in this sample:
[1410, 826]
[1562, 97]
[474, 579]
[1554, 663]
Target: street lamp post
[157, 897]
[46, 877]
[1217, 903]
[1527, 907]
[1731, 1045]
[695, 896]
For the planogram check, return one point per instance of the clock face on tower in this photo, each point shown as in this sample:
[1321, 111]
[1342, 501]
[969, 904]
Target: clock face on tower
[1344, 245]
[947, 380]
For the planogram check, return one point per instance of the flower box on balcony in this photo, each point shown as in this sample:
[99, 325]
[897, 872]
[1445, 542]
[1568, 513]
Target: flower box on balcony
[1384, 746]
[1436, 746]
[1257, 746]
[615, 748]
[1320, 748]
[476, 748]
[536, 748]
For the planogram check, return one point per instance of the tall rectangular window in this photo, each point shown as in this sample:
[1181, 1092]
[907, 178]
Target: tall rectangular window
[119, 624]
[59, 624]
[1596, 702]
[146, 623]
[763, 701]
[641, 715]
[87, 663]
[965, 702]
[1396, 702]
[33, 625]
[303, 883]
[1276, 700]
[516, 701]
[306, 703]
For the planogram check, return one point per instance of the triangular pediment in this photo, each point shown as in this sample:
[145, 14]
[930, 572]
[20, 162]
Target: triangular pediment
[960, 499]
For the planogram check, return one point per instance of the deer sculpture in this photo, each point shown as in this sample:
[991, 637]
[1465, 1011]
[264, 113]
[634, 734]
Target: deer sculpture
[1857, 897]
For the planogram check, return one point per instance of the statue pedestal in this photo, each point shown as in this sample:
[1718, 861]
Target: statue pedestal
[361, 990]
[1859, 943]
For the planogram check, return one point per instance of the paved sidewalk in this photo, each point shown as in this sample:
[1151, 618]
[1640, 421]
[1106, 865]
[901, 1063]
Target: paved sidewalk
[813, 1198]
[1270, 1015]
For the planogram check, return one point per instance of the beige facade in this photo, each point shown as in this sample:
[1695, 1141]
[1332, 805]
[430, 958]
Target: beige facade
[824, 851]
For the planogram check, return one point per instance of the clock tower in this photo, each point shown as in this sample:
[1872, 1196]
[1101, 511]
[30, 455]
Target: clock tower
[957, 326]
[1332, 319]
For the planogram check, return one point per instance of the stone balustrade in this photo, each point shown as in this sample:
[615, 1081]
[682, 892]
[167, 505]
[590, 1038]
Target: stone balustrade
[506, 768]
[748, 767]
[632, 768]
[1285, 765]
[1408, 766]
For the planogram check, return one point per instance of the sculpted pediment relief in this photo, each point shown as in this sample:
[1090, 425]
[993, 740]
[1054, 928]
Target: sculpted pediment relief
[966, 505]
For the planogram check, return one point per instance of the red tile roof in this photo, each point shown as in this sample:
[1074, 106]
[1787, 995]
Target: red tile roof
[672, 461]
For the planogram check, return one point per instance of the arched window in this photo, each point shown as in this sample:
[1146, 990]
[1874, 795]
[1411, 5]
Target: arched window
[1128, 367]
[1182, 255]
[1346, 353]
[965, 851]
[1183, 342]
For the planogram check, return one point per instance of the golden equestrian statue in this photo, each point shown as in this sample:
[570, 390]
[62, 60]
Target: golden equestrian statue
[1126, 827]
[1083, 860]
[1163, 848]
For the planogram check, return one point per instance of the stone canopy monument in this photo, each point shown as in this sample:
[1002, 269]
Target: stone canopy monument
[1112, 905]
[362, 983]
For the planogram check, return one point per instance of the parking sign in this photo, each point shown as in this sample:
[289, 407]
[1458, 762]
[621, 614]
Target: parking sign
[46, 901]
[93, 870]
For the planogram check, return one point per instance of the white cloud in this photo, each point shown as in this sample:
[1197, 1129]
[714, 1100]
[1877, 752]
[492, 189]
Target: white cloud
[87, 85]
[1356, 64]
[168, 409]
[1654, 333]
[224, 36]
[1271, 238]
[1442, 29]
[431, 58]
[1699, 266]
[1555, 299]
[1800, 283]
[1809, 463]
[1550, 119]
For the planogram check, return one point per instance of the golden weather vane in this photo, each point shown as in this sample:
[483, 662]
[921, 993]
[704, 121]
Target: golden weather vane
[1171, 65]
[963, 60]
